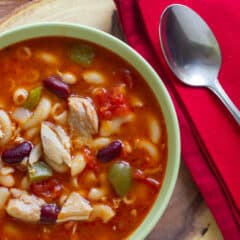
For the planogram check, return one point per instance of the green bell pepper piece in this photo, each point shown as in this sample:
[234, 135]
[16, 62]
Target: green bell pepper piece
[33, 98]
[120, 177]
[39, 171]
[82, 54]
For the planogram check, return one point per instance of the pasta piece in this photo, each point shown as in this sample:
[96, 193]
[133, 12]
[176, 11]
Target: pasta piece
[5, 128]
[155, 130]
[95, 194]
[101, 142]
[151, 171]
[24, 53]
[104, 212]
[128, 200]
[32, 76]
[61, 118]
[32, 132]
[20, 96]
[78, 164]
[148, 146]
[47, 57]
[41, 113]
[93, 77]
[59, 114]
[4, 195]
[110, 127]
[116, 202]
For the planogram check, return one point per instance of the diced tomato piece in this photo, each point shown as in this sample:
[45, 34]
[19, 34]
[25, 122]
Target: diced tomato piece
[92, 162]
[49, 189]
[139, 176]
[113, 103]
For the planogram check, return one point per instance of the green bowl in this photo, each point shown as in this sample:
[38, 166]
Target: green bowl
[128, 54]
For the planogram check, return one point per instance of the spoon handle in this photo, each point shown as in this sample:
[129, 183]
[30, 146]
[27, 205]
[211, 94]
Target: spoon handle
[219, 91]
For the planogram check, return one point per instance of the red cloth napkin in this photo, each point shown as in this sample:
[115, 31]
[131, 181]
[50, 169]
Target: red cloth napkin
[210, 137]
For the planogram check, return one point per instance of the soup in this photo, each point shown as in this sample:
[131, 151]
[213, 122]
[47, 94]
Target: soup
[82, 140]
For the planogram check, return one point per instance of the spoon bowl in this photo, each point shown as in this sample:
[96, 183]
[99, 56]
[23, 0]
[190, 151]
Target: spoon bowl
[192, 51]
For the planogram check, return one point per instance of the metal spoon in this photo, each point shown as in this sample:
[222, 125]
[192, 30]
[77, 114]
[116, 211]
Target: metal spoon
[192, 51]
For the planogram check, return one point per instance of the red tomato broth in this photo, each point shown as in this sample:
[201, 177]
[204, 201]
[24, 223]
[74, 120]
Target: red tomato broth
[112, 66]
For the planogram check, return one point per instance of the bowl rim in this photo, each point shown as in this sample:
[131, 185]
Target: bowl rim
[120, 48]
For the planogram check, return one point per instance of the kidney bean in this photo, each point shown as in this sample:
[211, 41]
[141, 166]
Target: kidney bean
[49, 213]
[17, 154]
[110, 152]
[57, 86]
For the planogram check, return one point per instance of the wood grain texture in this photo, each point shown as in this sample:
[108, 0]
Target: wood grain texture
[89, 12]
[187, 217]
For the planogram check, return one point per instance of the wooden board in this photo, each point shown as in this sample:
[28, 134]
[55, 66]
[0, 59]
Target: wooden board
[95, 13]
[187, 217]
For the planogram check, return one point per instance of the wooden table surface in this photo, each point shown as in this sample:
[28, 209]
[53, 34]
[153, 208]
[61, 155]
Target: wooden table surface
[187, 216]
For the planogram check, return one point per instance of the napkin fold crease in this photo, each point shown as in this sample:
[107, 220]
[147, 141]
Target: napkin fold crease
[206, 127]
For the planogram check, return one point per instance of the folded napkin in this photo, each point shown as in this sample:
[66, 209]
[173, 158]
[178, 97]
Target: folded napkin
[210, 136]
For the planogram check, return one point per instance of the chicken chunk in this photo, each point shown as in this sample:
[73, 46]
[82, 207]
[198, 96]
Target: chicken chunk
[24, 206]
[75, 208]
[56, 147]
[82, 119]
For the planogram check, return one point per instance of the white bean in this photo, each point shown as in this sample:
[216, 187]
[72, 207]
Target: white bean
[21, 115]
[47, 57]
[93, 77]
[7, 180]
[69, 78]
[95, 194]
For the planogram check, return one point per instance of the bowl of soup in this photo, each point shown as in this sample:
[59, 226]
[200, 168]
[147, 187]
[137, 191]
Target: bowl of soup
[89, 138]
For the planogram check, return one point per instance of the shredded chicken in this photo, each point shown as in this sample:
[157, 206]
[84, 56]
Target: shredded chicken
[75, 208]
[56, 147]
[83, 119]
[24, 206]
